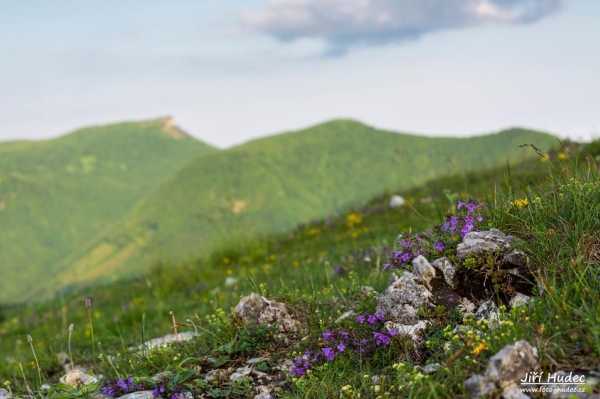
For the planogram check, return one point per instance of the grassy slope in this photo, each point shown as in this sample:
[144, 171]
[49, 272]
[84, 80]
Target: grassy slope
[56, 195]
[318, 270]
[270, 185]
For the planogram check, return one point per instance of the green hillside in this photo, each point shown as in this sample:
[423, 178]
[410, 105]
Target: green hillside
[270, 185]
[56, 195]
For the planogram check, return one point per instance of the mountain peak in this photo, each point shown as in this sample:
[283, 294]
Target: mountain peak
[168, 126]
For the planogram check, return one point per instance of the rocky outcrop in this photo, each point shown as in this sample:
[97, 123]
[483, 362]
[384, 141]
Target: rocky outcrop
[255, 309]
[504, 371]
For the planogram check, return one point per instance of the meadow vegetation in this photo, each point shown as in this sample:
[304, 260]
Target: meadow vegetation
[320, 270]
[108, 202]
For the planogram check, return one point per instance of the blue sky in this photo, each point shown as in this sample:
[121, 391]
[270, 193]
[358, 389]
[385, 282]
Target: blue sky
[231, 70]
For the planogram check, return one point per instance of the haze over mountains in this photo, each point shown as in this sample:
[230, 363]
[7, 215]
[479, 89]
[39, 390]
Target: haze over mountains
[107, 202]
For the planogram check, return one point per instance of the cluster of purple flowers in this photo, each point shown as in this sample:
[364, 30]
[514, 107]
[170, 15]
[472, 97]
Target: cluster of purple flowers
[171, 394]
[337, 342]
[121, 386]
[436, 240]
[410, 248]
[463, 223]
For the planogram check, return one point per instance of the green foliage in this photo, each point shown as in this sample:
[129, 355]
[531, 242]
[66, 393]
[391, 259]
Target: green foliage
[224, 199]
[56, 195]
[319, 270]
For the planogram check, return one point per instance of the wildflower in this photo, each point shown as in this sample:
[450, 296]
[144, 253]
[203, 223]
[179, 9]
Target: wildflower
[371, 319]
[478, 349]
[438, 246]
[381, 338]
[360, 319]
[329, 353]
[393, 332]
[341, 347]
[158, 391]
[326, 336]
[123, 385]
[379, 315]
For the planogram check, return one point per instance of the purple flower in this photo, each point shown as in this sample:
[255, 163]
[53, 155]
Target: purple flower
[385, 266]
[326, 336]
[405, 257]
[329, 353]
[381, 338]
[341, 347]
[438, 246]
[471, 207]
[393, 332]
[109, 391]
[379, 315]
[123, 385]
[460, 204]
[453, 224]
[479, 218]
[371, 319]
[360, 319]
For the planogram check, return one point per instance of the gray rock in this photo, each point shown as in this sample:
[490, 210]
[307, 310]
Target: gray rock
[345, 316]
[165, 340]
[63, 359]
[244, 370]
[478, 386]
[514, 393]
[561, 391]
[479, 242]
[217, 375]
[256, 360]
[509, 365]
[237, 376]
[367, 289]
[255, 309]
[413, 331]
[505, 370]
[466, 307]
[264, 392]
[514, 258]
[431, 368]
[396, 201]
[520, 300]
[403, 298]
[260, 375]
[138, 395]
[447, 270]
[422, 269]
[4, 394]
[77, 378]
[488, 311]
[160, 376]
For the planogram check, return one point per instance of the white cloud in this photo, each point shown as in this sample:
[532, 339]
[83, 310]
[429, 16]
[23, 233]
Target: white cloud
[344, 24]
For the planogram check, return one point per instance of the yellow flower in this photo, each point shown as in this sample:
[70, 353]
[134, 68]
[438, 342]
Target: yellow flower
[353, 219]
[520, 203]
[562, 156]
[478, 349]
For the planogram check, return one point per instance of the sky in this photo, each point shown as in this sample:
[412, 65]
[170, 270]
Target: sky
[232, 70]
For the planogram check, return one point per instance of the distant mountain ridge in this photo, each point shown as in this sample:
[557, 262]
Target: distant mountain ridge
[58, 194]
[193, 200]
